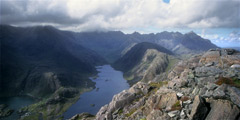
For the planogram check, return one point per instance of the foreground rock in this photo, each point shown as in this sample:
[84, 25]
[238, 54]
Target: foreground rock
[202, 87]
[222, 110]
[199, 109]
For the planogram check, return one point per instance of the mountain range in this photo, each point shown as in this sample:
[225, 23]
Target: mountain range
[54, 65]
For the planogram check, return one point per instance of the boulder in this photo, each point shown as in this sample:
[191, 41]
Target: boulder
[234, 94]
[222, 110]
[210, 56]
[173, 113]
[167, 100]
[199, 109]
[207, 71]
[219, 93]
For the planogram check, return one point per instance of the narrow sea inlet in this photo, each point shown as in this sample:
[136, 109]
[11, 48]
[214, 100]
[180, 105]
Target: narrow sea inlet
[108, 83]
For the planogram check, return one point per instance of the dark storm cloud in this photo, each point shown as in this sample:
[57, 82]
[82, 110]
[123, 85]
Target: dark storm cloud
[122, 14]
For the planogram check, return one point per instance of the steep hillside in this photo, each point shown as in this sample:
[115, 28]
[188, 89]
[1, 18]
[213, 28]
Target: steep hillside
[44, 58]
[144, 60]
[203, 87]
[45, 63]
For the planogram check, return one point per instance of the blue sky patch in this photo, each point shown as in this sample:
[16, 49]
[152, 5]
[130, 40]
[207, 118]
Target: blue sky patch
[166, 1]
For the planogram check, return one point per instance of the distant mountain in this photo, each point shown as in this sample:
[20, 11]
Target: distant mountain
[144, 60]
[112, 44]
[39, 60]
[177, 42]
[108, 44]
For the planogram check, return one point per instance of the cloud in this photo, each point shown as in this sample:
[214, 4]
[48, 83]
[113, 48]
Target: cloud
[87, 15]
[224, 40]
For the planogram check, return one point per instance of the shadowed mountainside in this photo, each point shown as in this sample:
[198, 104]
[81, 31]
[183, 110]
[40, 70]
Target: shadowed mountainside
[38, 60]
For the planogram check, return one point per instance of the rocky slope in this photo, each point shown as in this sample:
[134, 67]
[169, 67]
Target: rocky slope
[203, 87]
[143, 62]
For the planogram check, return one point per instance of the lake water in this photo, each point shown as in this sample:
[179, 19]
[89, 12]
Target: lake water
[108, 83]
[16, 103]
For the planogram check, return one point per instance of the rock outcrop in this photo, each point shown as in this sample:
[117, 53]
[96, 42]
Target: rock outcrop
[203, 87]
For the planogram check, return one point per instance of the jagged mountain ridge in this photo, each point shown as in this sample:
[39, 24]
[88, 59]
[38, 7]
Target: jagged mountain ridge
[111, 44]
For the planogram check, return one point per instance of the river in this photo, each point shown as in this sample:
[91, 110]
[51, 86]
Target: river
[108, 83]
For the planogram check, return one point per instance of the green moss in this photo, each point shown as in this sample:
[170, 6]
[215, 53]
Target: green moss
[158, 84]
[120, 111]
[236, 82]
[131, 112]
[176, 106]
[229, 81]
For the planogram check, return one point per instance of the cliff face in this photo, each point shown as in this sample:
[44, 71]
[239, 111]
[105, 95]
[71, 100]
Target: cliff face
[203, 87]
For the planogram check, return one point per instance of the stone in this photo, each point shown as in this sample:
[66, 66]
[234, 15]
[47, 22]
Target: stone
[187, 102]
[173, 113]
[207, 71]
[210, 56]
[179, 95]
[222, 110]
[209, 64]
[208, 93]
[235, 66]
[202, 91]
[218, 93]
[157, 115]
[195, 91]
[154, 115]
[167, 100]
[211, 86]
[228, 51]
[234, 94]
[199, 109]
[182, 115]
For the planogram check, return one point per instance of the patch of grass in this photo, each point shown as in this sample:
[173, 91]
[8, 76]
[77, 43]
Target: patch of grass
[235, 82]
[131, 112]
[143, 119]
[158, 84]
[176, 106]
[120, 111]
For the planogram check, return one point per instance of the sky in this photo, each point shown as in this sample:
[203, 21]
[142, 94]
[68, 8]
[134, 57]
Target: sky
[216, 20]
